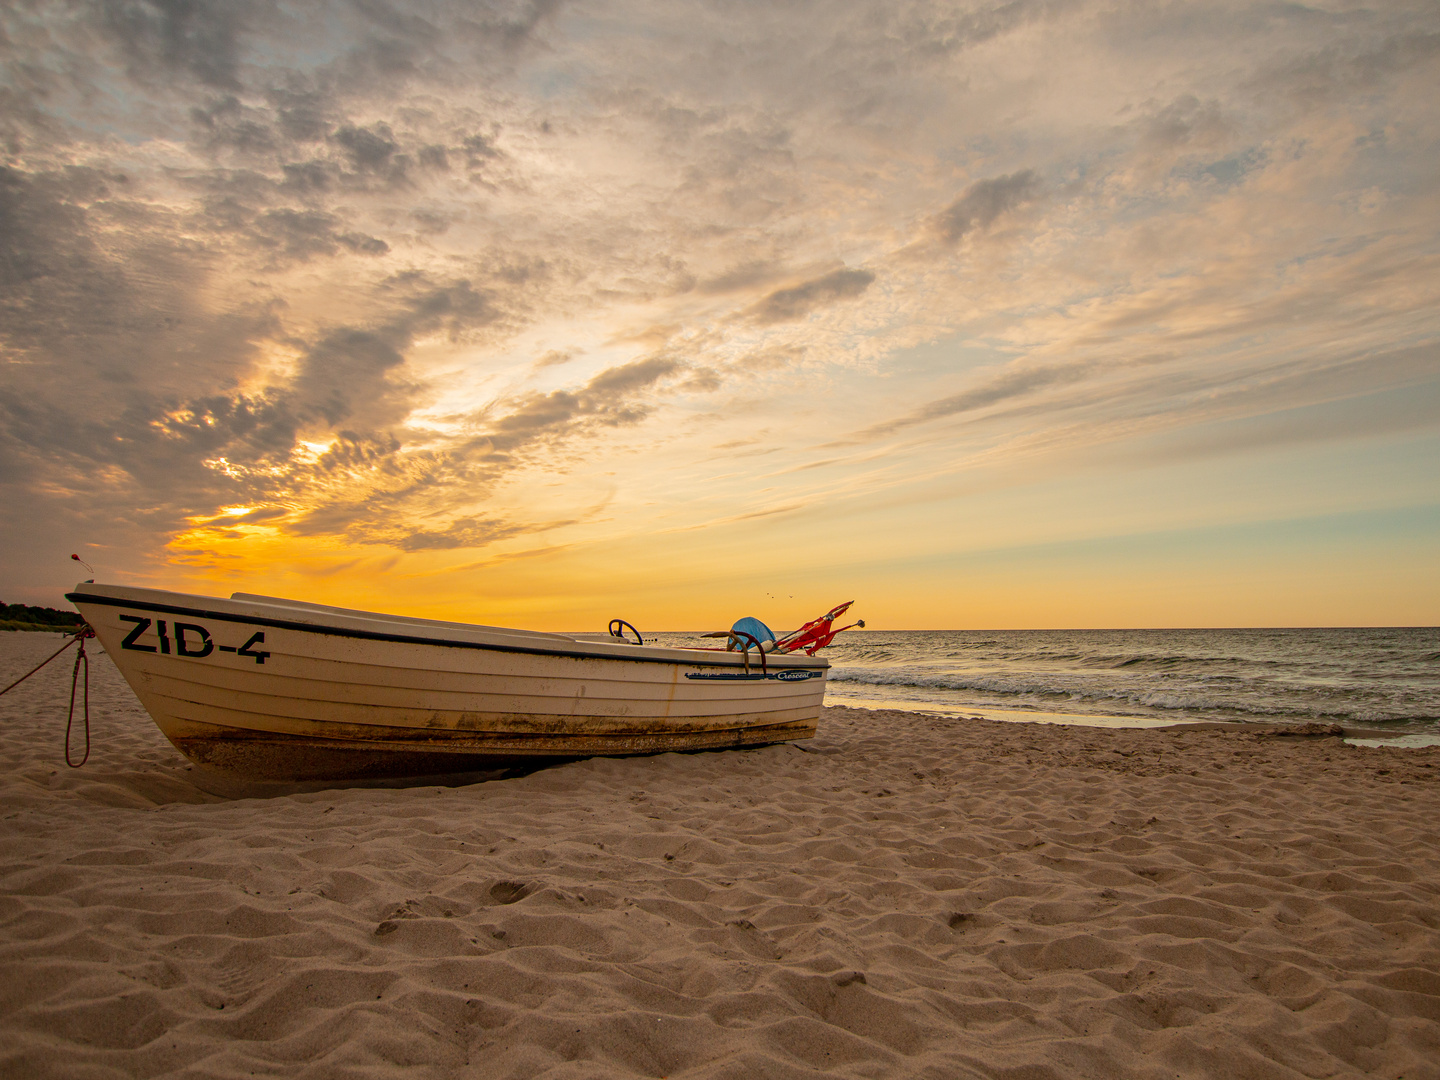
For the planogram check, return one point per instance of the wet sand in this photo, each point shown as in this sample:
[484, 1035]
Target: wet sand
[905, 895]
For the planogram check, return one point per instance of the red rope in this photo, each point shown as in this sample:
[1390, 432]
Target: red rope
[70, 719]
[42, 663]
[77, 638]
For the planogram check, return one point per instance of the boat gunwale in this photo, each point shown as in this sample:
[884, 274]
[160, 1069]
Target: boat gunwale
[104, 600]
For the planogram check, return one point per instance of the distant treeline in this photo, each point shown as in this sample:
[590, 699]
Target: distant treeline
[25, 617]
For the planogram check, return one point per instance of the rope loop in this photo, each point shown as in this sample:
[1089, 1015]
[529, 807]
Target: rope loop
[77, 638]
[80, 658]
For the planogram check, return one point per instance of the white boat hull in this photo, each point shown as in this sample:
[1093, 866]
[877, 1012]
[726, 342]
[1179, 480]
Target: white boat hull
[270, 689]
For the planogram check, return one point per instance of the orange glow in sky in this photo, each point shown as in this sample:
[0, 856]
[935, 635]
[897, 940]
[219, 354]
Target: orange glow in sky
[978, 314]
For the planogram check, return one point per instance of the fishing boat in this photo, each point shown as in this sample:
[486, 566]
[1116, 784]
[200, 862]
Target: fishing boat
[267, 689]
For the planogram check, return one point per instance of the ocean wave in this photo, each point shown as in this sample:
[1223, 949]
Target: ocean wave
[1148, 661]
[1235, 698]
[1073, 658]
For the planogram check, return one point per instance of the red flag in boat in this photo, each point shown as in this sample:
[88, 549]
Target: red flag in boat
[817, 633]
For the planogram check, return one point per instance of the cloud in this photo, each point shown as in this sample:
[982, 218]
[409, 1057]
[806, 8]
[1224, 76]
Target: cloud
[1187, 121]
[466, 532]
[982, 204]
[1336, 69]
[129, 399]
[370, 149]
[787, 305]
[302, 112]
[740, 278]
[370, 489]
[618, 381]
[749, 515]
[305, 234]
[1002, 387]
[198, 38]
[607, 400]
[285, 255]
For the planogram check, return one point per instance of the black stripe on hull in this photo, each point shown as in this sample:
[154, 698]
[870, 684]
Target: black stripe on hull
[376, 635]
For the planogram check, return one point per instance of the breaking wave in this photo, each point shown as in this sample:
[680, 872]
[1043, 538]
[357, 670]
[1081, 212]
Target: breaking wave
[1349, 676]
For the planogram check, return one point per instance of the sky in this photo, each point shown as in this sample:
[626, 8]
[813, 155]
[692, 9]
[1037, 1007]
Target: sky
[1032, 313]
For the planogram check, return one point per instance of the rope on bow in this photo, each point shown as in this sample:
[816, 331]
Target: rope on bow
[78, 638]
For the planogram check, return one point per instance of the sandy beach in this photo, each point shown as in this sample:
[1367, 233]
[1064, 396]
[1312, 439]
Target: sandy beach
[903, 896]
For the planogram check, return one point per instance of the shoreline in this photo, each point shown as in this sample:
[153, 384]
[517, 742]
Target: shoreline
[1355, 734]
[904, 895]
[1359, 733]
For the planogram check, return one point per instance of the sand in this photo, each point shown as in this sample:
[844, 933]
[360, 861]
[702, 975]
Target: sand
[903, 896]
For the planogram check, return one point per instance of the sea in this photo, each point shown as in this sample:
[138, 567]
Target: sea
[1376, 682]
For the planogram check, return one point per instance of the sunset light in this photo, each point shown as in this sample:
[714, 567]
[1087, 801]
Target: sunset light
[1063, 316]
[720, 539]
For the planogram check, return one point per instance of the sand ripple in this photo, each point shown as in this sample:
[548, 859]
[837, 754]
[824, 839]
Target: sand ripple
[903, 896]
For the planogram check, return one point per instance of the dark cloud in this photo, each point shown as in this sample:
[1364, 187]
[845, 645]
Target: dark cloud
[467, 532]
[452, 307]
[370, 148]
[303, 234]
[303, 114]
[362, 244]
[344, 376]
[534, 416]
[433, 156]
[143, 468]
[518, 23]
[1187, 121]
[940, 31]
[233, 126]
[627, 378]
[346, 370]
[347, 376]
[1187, 137]
[477, 148]
[199, 38]
[785, 305]
[43, 233]
[96, 284]
[605, 401]
[310, 178]
[1360, 62]
[383, 520]
[210, 42]
[351, 453]
[983, 202]
[120, 407]
[121, 413]
[740, 278]
[257, 242]
[1009, 384]
[703, 381]
[1302, 404]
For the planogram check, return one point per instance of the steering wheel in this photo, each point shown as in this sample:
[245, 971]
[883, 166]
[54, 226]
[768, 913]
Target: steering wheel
[618, 628]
